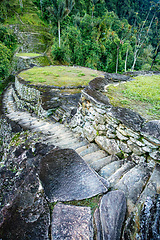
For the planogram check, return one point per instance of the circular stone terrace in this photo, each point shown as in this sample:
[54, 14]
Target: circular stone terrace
[60, 76]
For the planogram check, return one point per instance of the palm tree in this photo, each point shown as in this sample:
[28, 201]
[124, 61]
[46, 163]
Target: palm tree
[93, 6]
[59, 10]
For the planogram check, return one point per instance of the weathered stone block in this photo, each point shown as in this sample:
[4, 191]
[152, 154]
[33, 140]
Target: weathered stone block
[111, 168]
[71, 222]
[155, 155]
[123, 146]
[89, 132]
[135, 148]
[133, 182]
[128, 117]
[120, 136]
[65, 176]
[96, 97]
[109, 145]
[152, 129]
[112, 214]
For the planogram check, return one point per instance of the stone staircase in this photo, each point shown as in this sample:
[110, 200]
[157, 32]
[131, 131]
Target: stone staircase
[137, 181]
[121, 174]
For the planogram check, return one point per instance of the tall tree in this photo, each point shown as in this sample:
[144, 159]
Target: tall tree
[142, 35]
[59, 10]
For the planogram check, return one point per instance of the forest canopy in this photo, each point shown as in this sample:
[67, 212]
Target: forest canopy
[111, 35]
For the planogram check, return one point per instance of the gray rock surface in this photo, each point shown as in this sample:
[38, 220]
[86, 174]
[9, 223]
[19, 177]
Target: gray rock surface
[98, 83]
[71, 222]
[98, 224]
[115, 77]
[153, 185]
[111, 168]
[128, 117]
[100, 163]
[112, 214]
[133, 182]
[152, 128]
[96, 97]
[109, 145]
[114, 178]
[65, 177]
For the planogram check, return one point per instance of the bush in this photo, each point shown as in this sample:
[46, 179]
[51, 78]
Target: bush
[5, 56]
[7, 38]
[146, 67]
[60, 54]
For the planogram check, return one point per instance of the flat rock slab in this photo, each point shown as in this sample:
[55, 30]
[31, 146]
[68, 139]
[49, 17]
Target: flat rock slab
[133, 182]
[98, 83]
[112, 215]
[71, 222]
[152, 129]
[65, 177]
[153, 185]
[115, 77]
[96, 97]
[128, 117]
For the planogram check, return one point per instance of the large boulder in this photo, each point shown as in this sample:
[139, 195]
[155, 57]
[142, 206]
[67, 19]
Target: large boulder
[65, 177]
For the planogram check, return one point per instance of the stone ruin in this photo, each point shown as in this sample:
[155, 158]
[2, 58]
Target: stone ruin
[99, 151]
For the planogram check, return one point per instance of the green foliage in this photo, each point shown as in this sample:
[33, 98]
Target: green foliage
[5, 56]
[59, 54]
[7, 47]
[7, 38]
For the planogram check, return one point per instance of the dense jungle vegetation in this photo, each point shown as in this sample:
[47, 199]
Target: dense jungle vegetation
[111, 35]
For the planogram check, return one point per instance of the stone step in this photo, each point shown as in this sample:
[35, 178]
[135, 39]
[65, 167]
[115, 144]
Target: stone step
[55, 118]
[114, 178]
[65, 143]
[80, 149]
[100, 163]
[76, 145]
[111, 168]
[94, 156]
[91, 148]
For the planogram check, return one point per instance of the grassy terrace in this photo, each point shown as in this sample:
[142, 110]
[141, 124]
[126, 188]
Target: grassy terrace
[141, 95]
[60, 75]
[28, 54]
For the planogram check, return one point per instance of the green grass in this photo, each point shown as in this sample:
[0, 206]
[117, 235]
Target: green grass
[60, 75]
[93, 203]
[141, 95]
[28, 54]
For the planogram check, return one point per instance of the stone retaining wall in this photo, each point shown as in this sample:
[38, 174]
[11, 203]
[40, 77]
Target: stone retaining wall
[44, 101]
[117, 130]
[28, 98]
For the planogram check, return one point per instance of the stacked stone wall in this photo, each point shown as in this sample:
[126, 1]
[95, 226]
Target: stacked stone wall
[118, 131]
[28, 98]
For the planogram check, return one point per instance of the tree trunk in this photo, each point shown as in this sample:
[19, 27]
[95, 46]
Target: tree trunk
[59, 33]
[21, 3]
[135, 59]
[117, 59]
[125, 68]
[154, 58]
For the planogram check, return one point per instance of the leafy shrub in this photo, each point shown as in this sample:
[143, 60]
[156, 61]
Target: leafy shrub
[60, 54]
[7, 38]
[5, 56]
